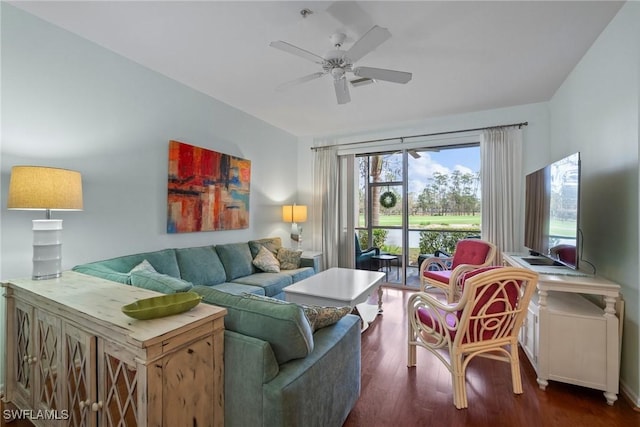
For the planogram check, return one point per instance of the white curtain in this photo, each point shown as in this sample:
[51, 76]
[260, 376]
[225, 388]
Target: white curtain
[501, 180]
[326, 203]
[348, 211]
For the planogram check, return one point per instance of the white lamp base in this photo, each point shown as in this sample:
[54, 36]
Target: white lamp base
[47, 249]
[296, 236]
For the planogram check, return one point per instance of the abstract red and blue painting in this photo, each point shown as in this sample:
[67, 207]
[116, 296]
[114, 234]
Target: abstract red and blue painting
[207, 190]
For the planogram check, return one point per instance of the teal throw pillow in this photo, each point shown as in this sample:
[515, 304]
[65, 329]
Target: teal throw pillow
[158, 282]
[318, 316]
[282, 324]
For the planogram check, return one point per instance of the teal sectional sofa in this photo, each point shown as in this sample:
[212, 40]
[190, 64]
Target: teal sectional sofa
[279, 371]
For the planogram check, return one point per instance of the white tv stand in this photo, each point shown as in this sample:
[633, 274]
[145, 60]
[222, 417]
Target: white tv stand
[568, 337]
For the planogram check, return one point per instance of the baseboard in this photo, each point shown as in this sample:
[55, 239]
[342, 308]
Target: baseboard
[630, 396]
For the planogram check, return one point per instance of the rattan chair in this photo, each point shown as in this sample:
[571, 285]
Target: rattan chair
[484, 322]
[445, 273]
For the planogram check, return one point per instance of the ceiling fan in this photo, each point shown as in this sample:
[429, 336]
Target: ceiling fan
[339, 62]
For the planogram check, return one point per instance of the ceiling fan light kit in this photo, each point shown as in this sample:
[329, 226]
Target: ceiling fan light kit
[339, 62]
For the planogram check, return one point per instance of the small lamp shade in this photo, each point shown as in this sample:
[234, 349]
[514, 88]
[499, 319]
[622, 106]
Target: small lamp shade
[294, 213]
[43, 188]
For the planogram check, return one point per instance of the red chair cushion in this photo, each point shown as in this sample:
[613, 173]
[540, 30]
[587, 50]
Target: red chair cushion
[428, 318]
[476, 331]
[470, 251]
[498, 306]
[567, 254]
[441, 276]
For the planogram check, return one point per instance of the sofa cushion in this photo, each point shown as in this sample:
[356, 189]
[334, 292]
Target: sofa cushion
[299, 273]
[284, 325]
[158, 282]
[201, 266]
[239, 288]
[266, 261]
[272, 283]
[271, 243]
[289, 259]
[236, 258]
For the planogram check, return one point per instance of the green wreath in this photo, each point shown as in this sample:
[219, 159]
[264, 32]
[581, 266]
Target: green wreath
[388, 199]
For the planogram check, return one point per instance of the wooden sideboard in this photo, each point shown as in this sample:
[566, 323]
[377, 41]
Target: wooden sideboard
[74, 359]
[567, 336]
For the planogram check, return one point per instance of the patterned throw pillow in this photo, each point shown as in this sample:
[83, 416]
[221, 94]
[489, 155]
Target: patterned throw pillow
[266, 261]
[321, 317]
[289, 259]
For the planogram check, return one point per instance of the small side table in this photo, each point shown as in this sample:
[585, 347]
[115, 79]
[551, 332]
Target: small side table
[316, 256]
[385, 264]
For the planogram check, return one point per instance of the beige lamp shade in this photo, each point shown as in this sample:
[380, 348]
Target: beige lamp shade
[44, 188]
[294, 213]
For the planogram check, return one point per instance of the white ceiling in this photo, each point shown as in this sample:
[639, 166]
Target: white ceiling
[464, 56]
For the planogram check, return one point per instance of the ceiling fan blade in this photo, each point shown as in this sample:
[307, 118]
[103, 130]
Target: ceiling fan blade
[297, 81]
[371, 40]
[297, 51]
[342, 90]
[382, 74]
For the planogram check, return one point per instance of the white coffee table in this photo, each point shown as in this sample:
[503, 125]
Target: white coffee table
[338, 287]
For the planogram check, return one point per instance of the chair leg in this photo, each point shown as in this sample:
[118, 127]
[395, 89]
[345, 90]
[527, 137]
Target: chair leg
[411, 348]
[458, 380]
[516, 378]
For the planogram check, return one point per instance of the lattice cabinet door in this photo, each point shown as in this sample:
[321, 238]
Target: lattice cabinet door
[21, 338]
[48, 362]
[80, 391]
[119, 397]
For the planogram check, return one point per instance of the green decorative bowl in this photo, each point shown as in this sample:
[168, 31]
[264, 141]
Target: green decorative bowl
[165, 305]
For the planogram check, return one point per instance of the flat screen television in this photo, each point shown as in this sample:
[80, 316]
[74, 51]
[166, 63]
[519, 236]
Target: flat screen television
[552, 213]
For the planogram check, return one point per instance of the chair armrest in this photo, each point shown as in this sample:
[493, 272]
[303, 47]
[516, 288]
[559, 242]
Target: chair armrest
[439, 262]
[438, 334]
[371, 249]
[455, 281]
[438, 252]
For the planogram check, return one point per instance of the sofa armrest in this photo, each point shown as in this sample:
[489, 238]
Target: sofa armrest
[248, 363]
[322, 388]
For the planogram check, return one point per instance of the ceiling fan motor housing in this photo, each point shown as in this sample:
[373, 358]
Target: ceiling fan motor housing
[336, 63]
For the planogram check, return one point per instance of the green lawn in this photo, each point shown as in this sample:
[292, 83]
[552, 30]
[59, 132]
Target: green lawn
[427, 221]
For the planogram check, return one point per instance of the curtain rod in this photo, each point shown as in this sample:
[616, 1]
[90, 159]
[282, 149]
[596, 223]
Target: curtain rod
[346, 144]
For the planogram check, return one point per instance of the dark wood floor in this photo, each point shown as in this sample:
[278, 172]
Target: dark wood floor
[393, 394]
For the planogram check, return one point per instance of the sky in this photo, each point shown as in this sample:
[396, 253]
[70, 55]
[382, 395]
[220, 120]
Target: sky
[444, 161]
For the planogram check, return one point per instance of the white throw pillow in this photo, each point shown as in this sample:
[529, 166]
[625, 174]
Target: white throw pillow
[266, 262]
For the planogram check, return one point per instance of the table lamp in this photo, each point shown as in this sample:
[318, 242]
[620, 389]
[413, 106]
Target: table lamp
[44, 188]
[295, 214]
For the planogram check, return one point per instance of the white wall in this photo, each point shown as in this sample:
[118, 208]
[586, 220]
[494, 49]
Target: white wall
[69, 103]
[596, 112]
[535, 136]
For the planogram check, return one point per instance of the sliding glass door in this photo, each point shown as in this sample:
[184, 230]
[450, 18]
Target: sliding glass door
[413, 202]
